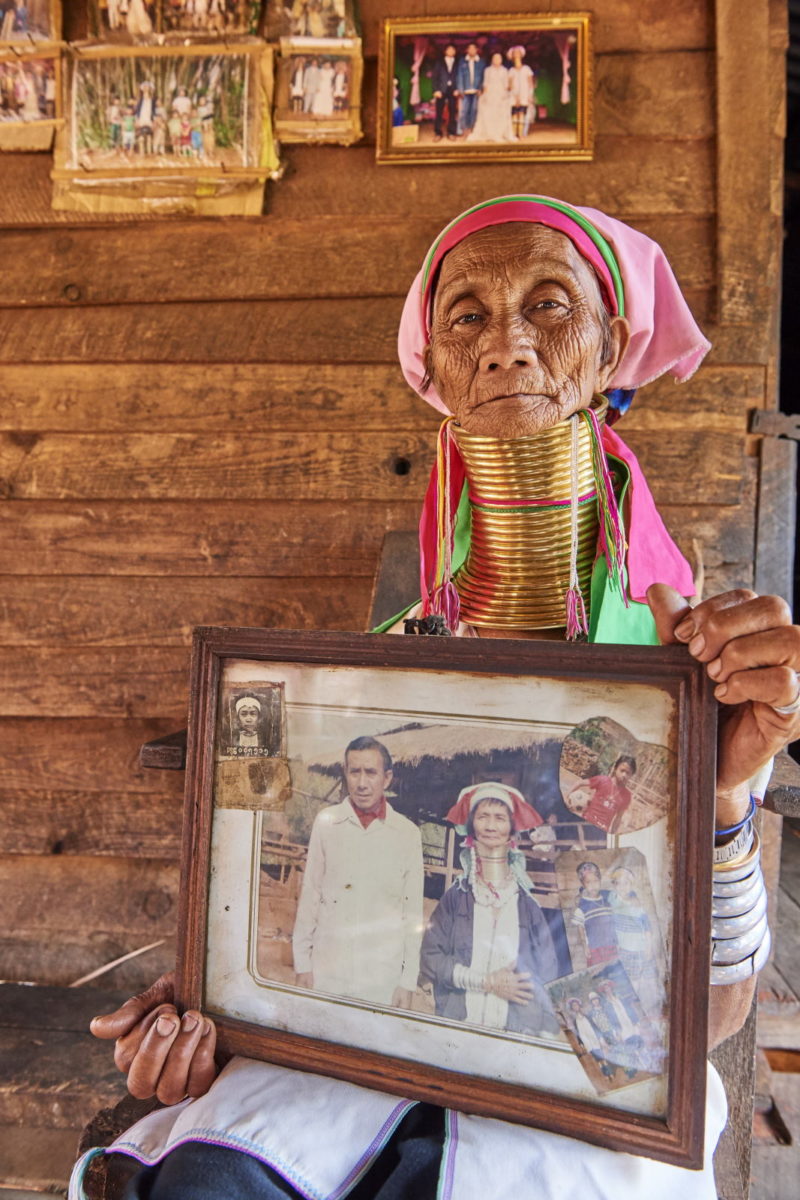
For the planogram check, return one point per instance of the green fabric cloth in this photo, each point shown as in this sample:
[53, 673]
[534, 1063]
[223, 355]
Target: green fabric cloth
[610, 621]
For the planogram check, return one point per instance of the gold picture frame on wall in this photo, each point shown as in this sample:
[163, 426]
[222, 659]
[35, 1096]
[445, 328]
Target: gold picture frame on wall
[485, 88]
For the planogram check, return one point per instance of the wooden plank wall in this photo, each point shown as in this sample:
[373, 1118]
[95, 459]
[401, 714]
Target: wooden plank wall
[203, 422]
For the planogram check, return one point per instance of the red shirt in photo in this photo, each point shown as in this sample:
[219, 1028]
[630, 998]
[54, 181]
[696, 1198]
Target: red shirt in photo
[609, 801]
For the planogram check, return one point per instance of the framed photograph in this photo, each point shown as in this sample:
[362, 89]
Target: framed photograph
[315, 19]
[318, 91]
[194, 110]
[210, 18]
[386, 878]
[30, 21]
[30, 91]
[141, 20]
[485, 88]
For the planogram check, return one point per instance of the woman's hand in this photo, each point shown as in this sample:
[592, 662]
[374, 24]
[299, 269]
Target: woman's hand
[752, 652]
[162, 1054]
[510, 985]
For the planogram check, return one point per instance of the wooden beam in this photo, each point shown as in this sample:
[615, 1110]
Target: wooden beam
[70, 915]
[286, 258]
[745, 226]
[327, 397]
[263, 538]
[136, 611]
[629, 176]
[112, 824]
[251, 466]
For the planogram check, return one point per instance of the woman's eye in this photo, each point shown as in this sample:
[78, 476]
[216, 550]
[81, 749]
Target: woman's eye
[467, 318]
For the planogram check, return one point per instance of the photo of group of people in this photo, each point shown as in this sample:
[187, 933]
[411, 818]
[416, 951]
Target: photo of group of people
[309, 18]
[134, 19]
[27, 20]
[467, 87]
[318, 91]
[437, 869]
[161, 111]
[320, 87]
[28, 89]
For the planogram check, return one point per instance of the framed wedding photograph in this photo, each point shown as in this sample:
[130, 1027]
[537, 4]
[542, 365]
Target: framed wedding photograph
[475, 873]
[318, 91]
[485, 89]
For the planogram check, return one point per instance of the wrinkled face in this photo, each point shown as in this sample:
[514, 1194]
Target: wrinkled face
[366, 778]
[492, 824]
[519, 337]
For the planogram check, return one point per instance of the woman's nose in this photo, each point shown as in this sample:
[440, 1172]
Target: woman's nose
[507, 344]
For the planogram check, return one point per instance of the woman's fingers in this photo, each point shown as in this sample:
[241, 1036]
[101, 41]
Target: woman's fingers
[127, 1047]
[147, 1063]
[203, 1069]
[777, 648]
[120, 1022]
[716, 623]
[173, 1081]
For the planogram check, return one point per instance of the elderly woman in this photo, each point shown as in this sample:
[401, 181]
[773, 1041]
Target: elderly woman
[488, 948]
[527, 312]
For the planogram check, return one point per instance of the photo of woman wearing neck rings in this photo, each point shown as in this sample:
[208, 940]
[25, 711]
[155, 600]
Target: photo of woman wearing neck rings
[488, 949]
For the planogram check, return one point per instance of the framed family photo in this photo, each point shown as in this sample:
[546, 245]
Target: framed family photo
[318, 91]
[485, 88]
[141, 20]
[472, 873]
[197, 110]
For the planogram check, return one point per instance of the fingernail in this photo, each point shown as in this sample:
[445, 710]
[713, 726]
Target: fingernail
[714, 668]
[164, 1026]
[697, 645]
[188, 1022]
[720, 691]
[685, 630]
[206, 1029]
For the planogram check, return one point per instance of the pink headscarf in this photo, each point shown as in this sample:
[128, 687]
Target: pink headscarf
[635, 280]
[664, 335]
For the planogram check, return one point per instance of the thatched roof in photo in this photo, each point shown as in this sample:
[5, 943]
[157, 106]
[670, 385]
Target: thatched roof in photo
[408, 747]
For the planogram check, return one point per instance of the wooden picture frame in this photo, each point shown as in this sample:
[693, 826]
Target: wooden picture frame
[95, 145]
[448, 711]
[327, 109]
[526, 95]
[38, 22]
[30, 83]
[141, 21]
